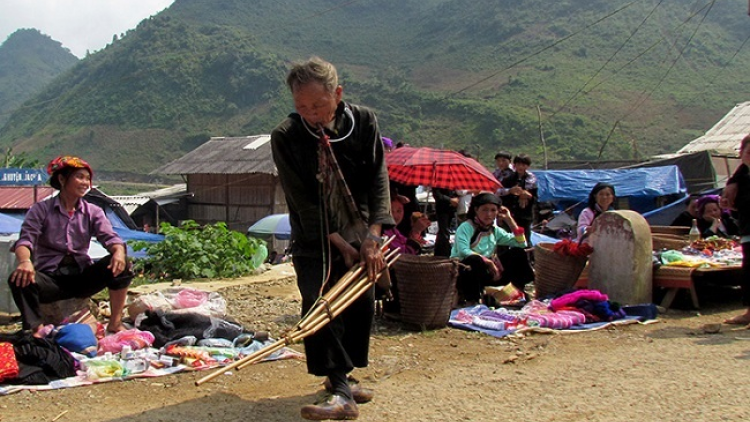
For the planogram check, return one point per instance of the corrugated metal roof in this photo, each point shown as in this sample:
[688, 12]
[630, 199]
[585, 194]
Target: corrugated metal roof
[131, 202]
[238, 155]
[724, 138]
[22, 197]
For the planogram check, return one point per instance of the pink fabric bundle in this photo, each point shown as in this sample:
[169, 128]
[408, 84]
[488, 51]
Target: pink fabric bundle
[559, 320]
[134, 338]
[570, 299]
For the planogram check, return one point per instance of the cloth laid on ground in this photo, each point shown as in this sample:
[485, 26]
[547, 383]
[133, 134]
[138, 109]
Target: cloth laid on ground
[180, 299]
[40, 360]
[168, 326]
[148, 362]
[576, 311]
[704, 258]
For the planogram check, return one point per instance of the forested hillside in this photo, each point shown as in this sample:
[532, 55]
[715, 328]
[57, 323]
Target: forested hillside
[28, 61]
[603, 79]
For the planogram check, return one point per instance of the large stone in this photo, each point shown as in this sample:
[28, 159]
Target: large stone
[7, 265]
[56, 312]
[621, 264]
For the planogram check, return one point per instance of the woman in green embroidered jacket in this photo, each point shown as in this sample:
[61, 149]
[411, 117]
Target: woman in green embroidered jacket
[476, 242]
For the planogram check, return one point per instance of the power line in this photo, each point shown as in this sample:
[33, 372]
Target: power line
[645, 95]
[561, 40]
[632, 34]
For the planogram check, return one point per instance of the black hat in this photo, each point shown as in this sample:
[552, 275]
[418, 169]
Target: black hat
[482, 199]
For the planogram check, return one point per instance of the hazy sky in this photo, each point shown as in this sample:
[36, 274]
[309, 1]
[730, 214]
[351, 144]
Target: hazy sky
[79, 25]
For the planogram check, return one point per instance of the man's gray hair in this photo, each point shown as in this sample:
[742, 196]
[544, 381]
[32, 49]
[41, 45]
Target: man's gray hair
[314, 70]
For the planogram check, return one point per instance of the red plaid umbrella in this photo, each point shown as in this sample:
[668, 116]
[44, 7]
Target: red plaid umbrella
[438, 169]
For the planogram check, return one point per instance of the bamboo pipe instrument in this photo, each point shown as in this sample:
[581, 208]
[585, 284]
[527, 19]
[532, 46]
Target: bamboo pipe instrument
[336, 308]
[299, 334]
[352, 274]
[294, 336]
[324, 305]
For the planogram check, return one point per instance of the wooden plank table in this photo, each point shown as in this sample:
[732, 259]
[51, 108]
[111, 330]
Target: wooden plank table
[675, 278]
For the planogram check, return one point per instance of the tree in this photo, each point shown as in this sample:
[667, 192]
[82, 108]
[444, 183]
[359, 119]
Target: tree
[18, 161]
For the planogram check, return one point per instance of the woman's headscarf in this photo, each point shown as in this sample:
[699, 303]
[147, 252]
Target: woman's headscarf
[479, 200]
[476, 202]
[63, 163]
[705, 200]
[592, 196]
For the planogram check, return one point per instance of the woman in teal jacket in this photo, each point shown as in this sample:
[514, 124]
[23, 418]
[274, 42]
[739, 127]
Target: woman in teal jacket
[475, 243]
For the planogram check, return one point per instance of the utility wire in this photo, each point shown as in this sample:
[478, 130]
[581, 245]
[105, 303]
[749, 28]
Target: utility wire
[538, 52]
[649, 48]
[632, 34]
[674, 62]
[645, 95]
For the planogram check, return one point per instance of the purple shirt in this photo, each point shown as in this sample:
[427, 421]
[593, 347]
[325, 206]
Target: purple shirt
[50, 233]
[399, 242]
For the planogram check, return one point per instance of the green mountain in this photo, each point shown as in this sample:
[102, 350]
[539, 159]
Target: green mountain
[28, 61]
[602, 79]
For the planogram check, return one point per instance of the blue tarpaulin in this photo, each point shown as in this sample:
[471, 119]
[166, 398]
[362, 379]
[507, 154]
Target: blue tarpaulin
[641, 186]
[9, 224]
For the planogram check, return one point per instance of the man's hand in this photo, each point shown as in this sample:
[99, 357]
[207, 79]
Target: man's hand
[350, 254]
[24, 274]
[372, 257]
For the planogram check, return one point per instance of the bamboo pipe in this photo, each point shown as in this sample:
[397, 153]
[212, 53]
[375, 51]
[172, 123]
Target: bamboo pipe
[321, 320]
[337, 307]
[344, 282]
[320, 312]
[279, 344]
[340, 305]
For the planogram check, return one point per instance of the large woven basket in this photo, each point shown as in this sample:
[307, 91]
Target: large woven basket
[554, 272]
[426, 289]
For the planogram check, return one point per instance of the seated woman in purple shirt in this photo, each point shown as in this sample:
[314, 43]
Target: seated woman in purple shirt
[52, 249]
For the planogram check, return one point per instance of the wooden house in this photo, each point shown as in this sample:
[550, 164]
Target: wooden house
[232, 180]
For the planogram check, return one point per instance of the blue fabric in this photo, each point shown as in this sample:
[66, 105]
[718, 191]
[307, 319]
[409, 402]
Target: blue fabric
[77, 338]
[641, 185]
[9, 225]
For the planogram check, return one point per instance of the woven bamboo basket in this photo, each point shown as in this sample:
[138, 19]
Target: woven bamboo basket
[426, 289]
[553, 272]
[668, 241]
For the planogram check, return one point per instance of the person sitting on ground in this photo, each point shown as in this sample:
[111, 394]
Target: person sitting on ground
[476, 241]
[685, 219]
[408, 245]
[52, 249]
[411, 244]
[712, 220]
[601, 198]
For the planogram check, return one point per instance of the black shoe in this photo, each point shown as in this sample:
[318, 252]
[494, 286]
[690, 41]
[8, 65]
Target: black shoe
[336, 407]
[359, 393]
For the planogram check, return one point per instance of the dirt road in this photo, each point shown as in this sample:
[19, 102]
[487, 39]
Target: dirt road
[668, 371]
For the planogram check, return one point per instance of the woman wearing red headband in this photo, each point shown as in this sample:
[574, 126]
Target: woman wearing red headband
[52, 249]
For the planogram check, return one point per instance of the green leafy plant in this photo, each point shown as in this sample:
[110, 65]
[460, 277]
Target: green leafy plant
[192, 251]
